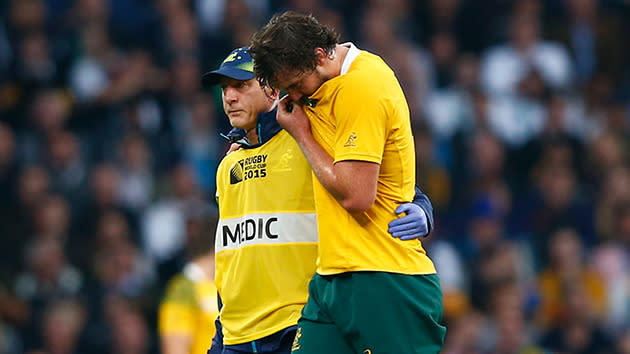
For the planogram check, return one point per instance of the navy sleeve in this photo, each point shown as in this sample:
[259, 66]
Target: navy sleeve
[422, 200]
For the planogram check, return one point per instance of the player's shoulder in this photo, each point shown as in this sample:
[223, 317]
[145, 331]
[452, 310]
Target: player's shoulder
[357, 83]
[369, 62]
[181, 290]
[367, 72]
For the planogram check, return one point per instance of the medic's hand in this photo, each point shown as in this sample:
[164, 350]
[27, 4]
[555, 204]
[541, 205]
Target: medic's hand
[411, 226]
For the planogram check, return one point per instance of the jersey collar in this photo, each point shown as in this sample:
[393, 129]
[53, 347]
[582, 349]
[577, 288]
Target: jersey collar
[194, 272]
[353, 53]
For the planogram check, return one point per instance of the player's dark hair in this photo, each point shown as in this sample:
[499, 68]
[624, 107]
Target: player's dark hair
[288, 42]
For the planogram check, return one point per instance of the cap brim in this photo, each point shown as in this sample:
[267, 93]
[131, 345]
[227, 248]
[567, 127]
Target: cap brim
[213, 77]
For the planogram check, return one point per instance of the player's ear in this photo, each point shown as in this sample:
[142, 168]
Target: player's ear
[321, 55]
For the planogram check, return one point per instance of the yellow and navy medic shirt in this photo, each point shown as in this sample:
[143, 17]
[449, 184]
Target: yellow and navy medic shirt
[189, 307]
[362, 115]
[266, 241]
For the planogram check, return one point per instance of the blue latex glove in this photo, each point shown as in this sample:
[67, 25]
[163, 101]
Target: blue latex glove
[411, 226]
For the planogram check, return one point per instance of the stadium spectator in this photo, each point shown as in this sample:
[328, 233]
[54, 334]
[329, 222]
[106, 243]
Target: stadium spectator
[522, 103]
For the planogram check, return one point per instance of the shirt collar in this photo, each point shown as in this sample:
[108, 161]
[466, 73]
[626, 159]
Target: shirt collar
[353, 53]
[194, 272]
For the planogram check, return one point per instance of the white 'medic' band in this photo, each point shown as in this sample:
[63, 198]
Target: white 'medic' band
[266, 229]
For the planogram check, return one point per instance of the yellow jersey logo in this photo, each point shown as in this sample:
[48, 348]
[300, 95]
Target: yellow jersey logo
[350, 142]
[285, 161]
[296, 340]
[367, 351]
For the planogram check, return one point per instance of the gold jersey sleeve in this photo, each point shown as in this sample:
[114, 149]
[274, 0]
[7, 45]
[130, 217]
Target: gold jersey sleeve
[363, 115]
[266, 241]
[178, 308]
[189, 308]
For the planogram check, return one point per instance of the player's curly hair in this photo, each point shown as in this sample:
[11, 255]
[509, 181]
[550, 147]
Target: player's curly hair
[288, 42]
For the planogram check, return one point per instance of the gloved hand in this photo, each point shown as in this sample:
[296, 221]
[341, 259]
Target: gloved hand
[411, 226]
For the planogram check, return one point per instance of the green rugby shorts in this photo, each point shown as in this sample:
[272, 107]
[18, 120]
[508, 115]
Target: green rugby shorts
[370, 313]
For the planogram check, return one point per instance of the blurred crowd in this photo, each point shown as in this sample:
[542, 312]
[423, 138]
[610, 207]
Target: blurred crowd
[108, 150]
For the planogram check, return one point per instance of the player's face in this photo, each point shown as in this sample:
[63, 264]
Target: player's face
[243, 100]
[299, 84]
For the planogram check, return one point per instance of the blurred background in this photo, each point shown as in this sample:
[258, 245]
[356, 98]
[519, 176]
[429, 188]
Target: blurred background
[108, 150]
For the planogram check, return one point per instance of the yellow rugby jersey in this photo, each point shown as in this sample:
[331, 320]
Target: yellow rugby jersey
[266, 241]
[363, 115]
[189, 307]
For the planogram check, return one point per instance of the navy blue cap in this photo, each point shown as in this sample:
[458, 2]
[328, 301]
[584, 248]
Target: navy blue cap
[238, 65]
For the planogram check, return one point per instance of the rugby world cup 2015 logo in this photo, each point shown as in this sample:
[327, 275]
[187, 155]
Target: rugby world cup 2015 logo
[249, 168]
[236, 173]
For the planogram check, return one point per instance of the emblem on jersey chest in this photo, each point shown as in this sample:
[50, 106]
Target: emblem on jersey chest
[248, 168]
[284, 163]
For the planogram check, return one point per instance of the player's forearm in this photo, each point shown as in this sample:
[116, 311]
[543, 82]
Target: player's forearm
[321, 164]
[339, 180]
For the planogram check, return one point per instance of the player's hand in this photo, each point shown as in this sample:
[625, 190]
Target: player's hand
[292, 118]
[233, 147]
[411, 226]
